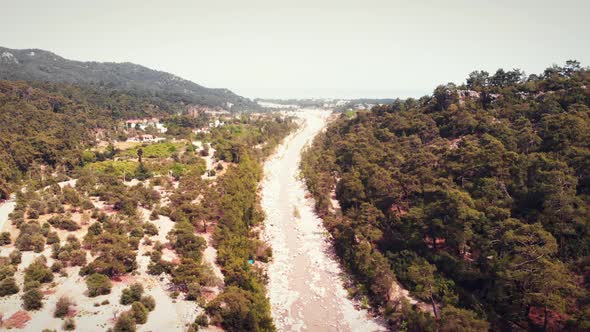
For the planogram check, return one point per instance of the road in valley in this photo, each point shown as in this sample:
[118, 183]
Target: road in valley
[305, 287]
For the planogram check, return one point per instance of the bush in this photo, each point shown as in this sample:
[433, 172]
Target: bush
[15, 257]
[98, 284]
[4, 238]
[57, 266]
[64, 223]
[150, 229]
[62, 307]
[140, 312]
[52, 238]
[69, 324]
[131, 294]
[194, 291]
[32, 285]
[32, 299]
[7, 270]
[202, 320]
[125, 323]
[78, 258]
[8, 287]
[149, 302]
[457, 319]
[30, 237]
[38, 271]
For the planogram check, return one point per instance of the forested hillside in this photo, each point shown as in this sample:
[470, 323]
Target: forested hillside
[44, 66]
[475, 198]
[49, 124]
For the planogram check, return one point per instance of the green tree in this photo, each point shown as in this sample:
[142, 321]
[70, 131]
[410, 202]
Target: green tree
[460, 320]
[8, 287]
[33, 299]
[98, 284]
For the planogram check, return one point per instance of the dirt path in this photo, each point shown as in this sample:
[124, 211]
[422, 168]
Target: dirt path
[305, 288]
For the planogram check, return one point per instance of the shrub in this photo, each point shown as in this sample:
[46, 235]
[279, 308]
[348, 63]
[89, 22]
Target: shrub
[202, 320]
[150, 229]
[149, 302]
[69, 324]
[8, 287]
[4, 238]
[32, 299]
[38, 271]
[57, 266]
[62, 307]
[15, 257]
[52, 238]
[98, 284]
[140, 312]
[7, 271]
[193, 292]
[78, 258]
[30, 237]
[131, 294]
[32, 285]
[125, 323]
[154, 215]
[64, 223]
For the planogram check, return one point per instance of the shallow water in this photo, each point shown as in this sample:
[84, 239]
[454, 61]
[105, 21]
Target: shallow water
[305, 287]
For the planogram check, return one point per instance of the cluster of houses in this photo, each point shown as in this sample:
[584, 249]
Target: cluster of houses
[144, 123]
[155, 123]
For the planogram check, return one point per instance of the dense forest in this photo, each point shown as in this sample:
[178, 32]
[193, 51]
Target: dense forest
[475, 198]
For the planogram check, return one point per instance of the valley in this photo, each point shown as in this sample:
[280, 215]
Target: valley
[306, 284]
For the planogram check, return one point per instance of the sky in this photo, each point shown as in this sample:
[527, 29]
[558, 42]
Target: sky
[306, 49]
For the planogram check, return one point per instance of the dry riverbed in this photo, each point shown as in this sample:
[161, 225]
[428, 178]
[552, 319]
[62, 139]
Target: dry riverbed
[305, 281]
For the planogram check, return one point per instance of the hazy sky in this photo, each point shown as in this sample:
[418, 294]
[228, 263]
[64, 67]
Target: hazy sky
[302, 48]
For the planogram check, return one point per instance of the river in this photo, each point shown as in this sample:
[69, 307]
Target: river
[305, 286]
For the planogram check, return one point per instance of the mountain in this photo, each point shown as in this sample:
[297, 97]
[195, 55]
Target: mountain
[40, 65]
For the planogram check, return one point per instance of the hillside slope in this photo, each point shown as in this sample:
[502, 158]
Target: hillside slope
[40, 65]
[476, 199]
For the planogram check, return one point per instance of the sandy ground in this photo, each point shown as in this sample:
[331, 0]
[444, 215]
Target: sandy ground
[6, 208]
[169, 314]
[305, 286]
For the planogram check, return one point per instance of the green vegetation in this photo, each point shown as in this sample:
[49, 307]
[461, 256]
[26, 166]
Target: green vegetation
[33, 299]
[125, 323]
[475, 198]
[8, 286]
[38, 272]
[157, 150]
[62, 307]
[98, 284]
[69, 324]
[131, 294]
[118, 168]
